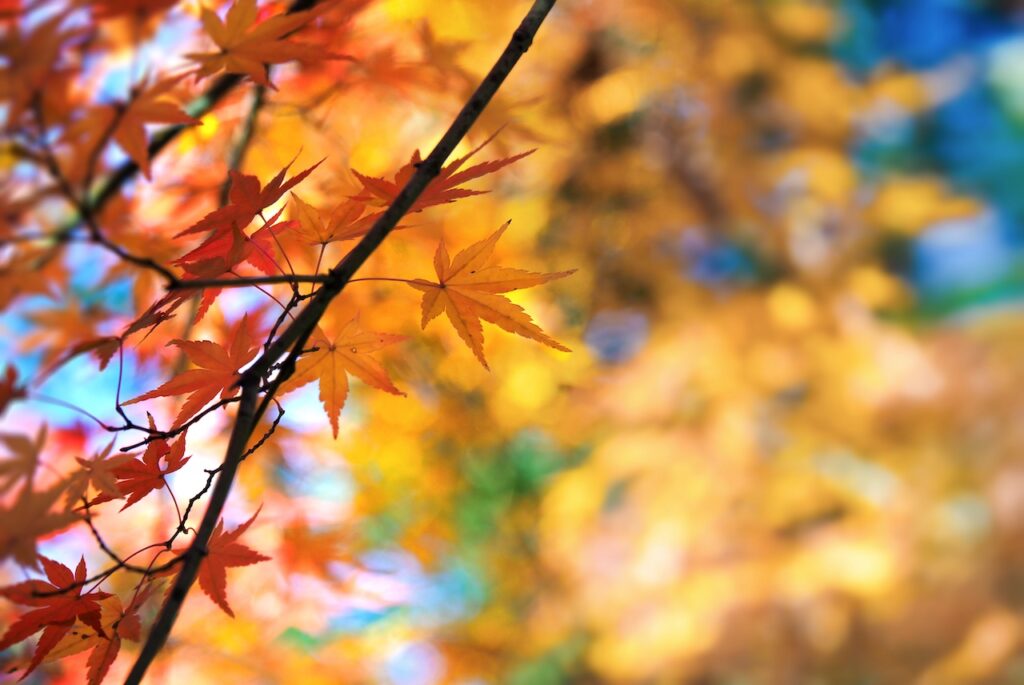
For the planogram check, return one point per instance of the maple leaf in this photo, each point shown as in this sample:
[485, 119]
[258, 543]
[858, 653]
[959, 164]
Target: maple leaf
[32, 67]
[224, 551]
[217, 372]
[29, 518]
[467, 291]
[104, 348]
[57, 613]
[345, 222]
[100, 470]
[314, 549]
[225, 250]
[23, 459]
[139, 477]
[347, 353]
[247, 47]
[125, 122]
[19, 276]
[56, 329]
[443, 189]
[226, 244]
[246, 199]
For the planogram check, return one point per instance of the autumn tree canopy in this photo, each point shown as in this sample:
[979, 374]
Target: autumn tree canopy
[394, 341]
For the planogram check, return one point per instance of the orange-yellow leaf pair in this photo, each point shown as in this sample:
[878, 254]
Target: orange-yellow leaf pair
[118, 623]
[467, 291]
[345, 222]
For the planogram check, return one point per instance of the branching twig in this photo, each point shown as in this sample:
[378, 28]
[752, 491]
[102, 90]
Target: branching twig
[164, 435]
[292, 340]
[86, 211]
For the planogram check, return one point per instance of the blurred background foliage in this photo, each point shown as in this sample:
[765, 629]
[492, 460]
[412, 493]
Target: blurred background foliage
[784, 449]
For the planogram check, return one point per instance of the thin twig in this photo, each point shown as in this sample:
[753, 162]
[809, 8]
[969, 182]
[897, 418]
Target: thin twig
[167, 434]
[123, 563]
[46, 399]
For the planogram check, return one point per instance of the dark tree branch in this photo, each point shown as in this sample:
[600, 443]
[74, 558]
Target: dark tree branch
[292, 340]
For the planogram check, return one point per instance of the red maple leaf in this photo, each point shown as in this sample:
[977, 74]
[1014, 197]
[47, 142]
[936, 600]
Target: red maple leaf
[216, 375]
[442, 189]
[225, 250]
[60, 603]
[139, 477]
[226, 244]
[224, 552]
[246, 199]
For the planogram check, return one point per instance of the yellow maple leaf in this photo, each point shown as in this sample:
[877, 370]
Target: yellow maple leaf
[247, 47]
[345, 222]
[467, 291]
[334, 359]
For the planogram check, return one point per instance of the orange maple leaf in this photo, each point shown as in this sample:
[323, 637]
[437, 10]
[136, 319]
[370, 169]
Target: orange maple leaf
[345, 222]
[246, 199]
[443, 189]
[20, 275]
[217, 372]
[24, 457]
[139, 477]
[227, 249]
[467, 291]
[247, 47]
[100, 470]
[29, 518]
[32, 69]
[126, 122]
[347, 353]
[224, 552]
